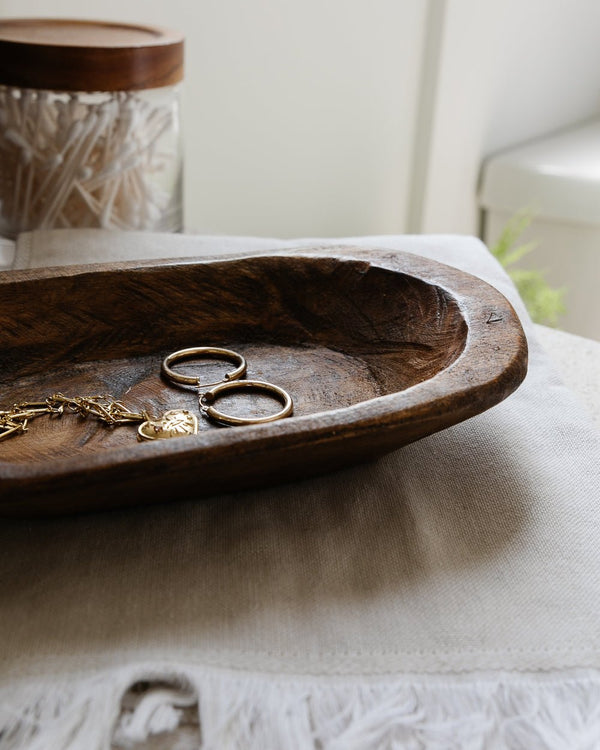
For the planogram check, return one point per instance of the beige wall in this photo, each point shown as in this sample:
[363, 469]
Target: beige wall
[546, 67]
[509, 71]
[341, 117]
[299, 115]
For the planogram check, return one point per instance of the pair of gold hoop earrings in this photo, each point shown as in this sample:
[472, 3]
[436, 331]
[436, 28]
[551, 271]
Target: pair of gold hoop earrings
[232, 381]
[173, 423]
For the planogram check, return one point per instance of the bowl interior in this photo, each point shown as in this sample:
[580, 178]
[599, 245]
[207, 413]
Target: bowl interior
[332, 332]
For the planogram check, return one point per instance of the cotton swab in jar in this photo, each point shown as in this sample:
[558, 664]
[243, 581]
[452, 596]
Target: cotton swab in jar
[75, 156]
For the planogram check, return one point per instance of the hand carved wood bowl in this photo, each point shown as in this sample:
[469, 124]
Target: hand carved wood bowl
[377, 349]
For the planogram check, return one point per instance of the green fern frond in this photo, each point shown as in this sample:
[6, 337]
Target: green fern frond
[511, 232]
[544, 303]
[519, 252]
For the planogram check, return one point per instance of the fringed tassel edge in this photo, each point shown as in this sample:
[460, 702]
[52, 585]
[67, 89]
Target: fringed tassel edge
[241, 712]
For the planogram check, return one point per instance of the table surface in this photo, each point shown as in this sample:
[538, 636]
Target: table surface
[578, 362]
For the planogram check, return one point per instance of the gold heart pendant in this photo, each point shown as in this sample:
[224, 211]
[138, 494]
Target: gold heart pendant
[174, 423]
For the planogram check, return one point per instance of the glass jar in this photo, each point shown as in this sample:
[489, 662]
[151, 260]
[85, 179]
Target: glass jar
[89, 126]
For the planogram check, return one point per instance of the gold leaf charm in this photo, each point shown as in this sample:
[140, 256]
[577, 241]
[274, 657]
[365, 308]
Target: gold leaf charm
[174, 423]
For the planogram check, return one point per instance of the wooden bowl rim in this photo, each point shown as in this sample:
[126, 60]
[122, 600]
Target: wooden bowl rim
[503, 345]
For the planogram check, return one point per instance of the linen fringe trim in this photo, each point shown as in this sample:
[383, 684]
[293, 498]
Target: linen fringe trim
[511, 711]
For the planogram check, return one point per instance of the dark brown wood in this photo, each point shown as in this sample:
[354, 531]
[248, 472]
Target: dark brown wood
[76, 55]
[377, 349]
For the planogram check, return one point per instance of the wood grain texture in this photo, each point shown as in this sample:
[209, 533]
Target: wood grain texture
[78, 55]
[377, 350]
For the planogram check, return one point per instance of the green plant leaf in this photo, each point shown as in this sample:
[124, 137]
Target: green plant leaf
[511, 232]
[544, 303]
[519, 252]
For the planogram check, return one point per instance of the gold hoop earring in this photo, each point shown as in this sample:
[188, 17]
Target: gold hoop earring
[203, 352]
[207, 398]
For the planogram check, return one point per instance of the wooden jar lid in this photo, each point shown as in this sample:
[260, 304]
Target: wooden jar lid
[70, 55]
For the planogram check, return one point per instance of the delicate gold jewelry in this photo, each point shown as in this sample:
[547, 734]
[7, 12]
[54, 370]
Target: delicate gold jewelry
[14, 421]
[203, 352]
[174, 423]
[104, 408]
[209, 392]
[209, 397]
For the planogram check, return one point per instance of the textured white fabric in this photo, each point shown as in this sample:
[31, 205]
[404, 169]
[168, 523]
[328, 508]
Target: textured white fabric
[274, 712]
[577, 360]
[477, 548]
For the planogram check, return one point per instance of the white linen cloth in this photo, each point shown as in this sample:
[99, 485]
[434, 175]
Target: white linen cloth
[447, 595]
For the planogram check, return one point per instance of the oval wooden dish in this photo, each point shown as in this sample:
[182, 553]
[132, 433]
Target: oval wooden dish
[377, 349]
